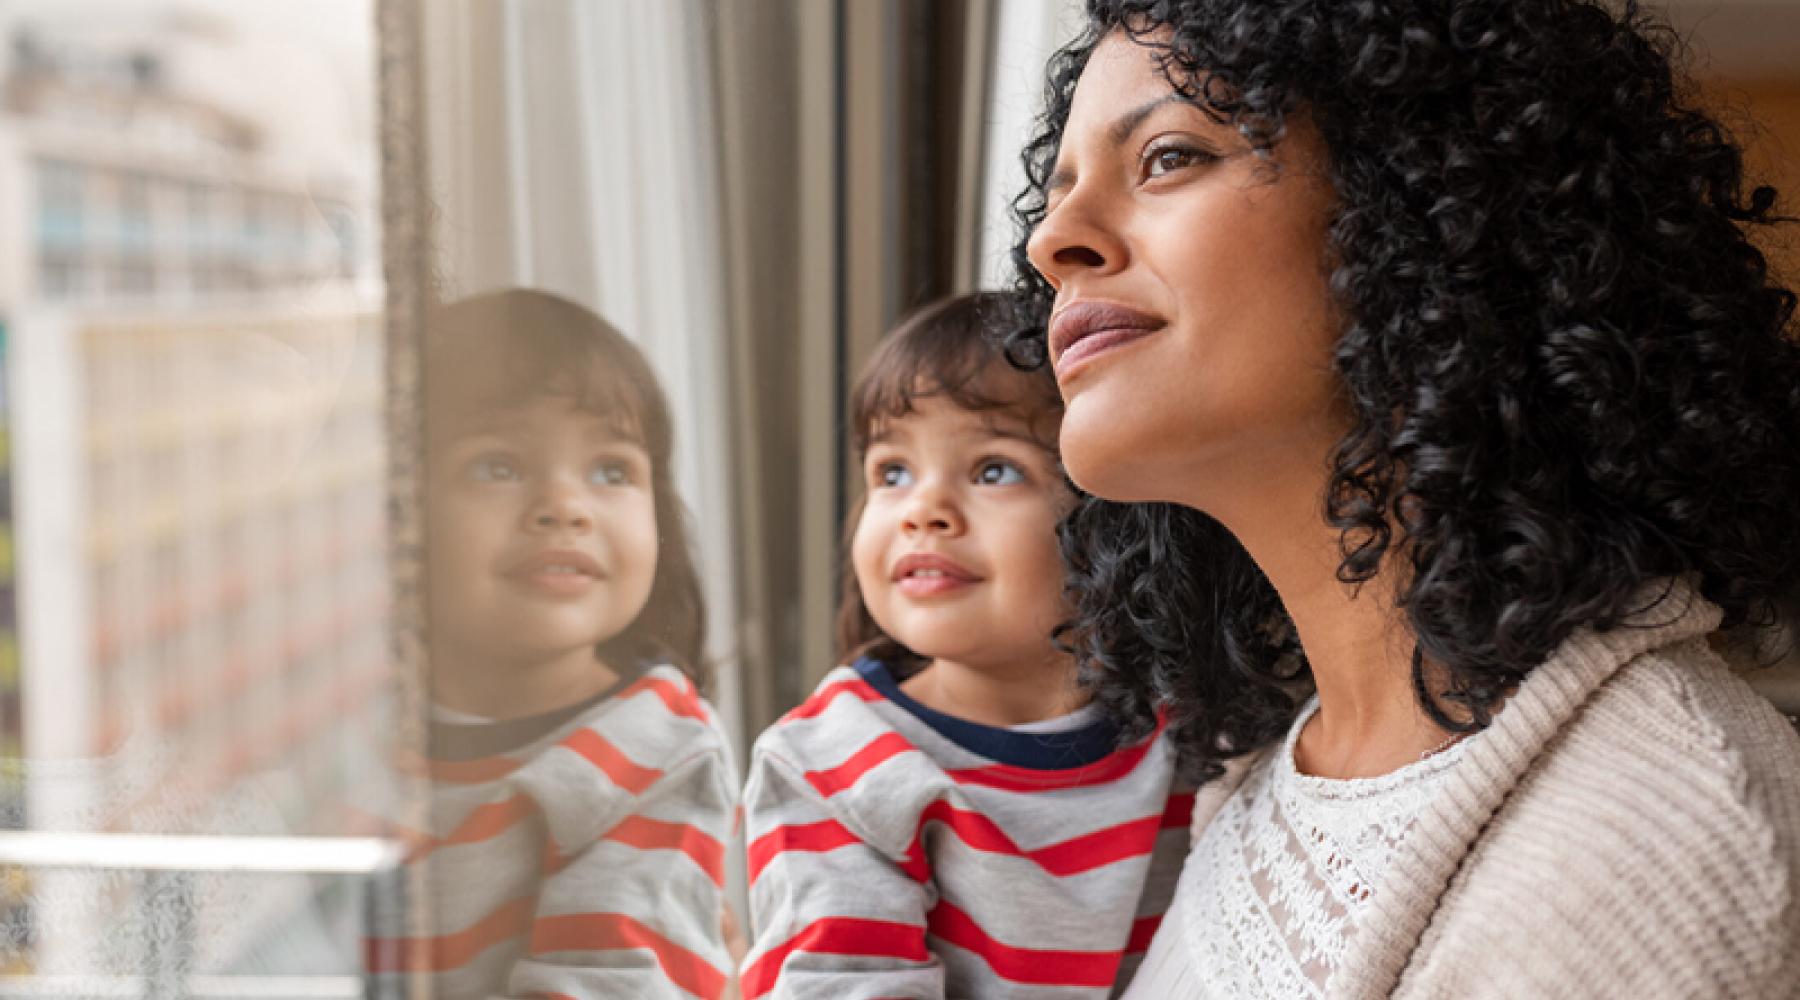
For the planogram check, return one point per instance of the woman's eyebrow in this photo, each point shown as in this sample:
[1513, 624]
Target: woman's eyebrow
[1118, 132]
[1127, 123]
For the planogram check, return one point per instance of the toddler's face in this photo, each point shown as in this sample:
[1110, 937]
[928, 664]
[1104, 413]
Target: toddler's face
[543, 534]
[956, 550]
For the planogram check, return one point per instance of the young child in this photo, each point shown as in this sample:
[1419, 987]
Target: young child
[581, 790]
[944, 817]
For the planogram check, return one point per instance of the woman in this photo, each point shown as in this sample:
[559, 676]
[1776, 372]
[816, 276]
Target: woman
[1455, 411]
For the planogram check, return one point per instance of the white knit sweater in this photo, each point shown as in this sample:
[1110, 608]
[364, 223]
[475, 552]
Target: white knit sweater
[1629, 826]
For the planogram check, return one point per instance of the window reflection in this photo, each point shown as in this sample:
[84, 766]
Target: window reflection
[582, 790]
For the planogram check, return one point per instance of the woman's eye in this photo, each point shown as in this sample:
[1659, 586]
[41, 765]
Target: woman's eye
[999, 473]
[1167, 159]
[494, 469]
[893, 474]
[610, 474]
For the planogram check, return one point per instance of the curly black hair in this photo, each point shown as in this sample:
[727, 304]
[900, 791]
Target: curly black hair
[1571, 371]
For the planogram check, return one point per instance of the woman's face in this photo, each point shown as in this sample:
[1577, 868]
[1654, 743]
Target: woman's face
[1193, 327]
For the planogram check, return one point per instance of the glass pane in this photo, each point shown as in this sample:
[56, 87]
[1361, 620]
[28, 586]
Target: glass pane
[194, 629]
[583, 670]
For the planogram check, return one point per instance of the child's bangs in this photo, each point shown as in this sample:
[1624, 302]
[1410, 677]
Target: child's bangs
[595, 384]
[892, 394]
[502, 352]
[953, 351]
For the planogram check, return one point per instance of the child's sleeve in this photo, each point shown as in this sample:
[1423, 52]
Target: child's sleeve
[637, 912]
[834, 917]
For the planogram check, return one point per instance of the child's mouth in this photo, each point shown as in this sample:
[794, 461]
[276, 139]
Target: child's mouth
[558, 581]
[929, 575]
[558, 573]
[930, 584]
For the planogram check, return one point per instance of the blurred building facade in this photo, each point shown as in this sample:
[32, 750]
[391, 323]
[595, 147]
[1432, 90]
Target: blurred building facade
[192, 324]
[143, 190]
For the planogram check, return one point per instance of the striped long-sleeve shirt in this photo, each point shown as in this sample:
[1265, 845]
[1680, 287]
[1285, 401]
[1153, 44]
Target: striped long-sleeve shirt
[899, 852]
[586, 862]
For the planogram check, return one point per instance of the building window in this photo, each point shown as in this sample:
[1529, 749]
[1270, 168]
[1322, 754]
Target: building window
[61, 203]
[61, 276]
[134, 213]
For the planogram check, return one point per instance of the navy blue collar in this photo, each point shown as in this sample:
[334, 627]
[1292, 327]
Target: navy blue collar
[1036, 751]
[474, 740]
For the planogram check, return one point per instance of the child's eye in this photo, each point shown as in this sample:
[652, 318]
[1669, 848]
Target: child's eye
[494, 469]
[893, 474]
[998, 472]
[611, 474]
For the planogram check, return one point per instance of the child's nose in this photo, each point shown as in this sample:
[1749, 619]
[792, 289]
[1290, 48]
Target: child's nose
[561, 507]
[932, 510]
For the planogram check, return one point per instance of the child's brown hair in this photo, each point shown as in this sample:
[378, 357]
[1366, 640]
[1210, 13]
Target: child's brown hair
[951, 348]
[501, 350]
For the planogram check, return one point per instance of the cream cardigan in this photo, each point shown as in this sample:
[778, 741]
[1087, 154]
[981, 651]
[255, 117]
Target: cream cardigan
[1628, 827]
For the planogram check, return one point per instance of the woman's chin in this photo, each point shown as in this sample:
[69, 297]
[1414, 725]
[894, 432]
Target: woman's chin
[1112, 434]
[1108, 464]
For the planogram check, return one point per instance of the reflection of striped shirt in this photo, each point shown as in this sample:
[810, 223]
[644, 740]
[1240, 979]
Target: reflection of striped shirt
[586, 861]
[899, 852]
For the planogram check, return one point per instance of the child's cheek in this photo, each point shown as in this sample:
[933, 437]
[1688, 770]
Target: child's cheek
[866, 548]
[639, 532]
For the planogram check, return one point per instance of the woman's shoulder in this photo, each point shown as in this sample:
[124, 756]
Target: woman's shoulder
[1655, 840]
[1677, 722]
[1674, 743]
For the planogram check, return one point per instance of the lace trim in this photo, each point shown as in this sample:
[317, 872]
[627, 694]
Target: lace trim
[1279, 878]
[1344, 789]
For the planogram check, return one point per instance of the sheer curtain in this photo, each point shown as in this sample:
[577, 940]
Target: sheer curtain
[1026, 32]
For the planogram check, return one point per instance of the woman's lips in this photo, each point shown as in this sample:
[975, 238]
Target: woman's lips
[1083, 330]
[927, 574]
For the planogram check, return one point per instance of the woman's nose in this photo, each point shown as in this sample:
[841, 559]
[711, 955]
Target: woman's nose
[1074, 238]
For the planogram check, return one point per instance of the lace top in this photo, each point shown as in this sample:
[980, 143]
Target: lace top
[1270, 897]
